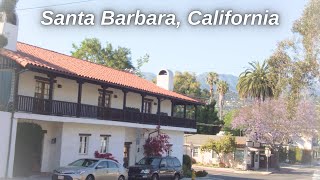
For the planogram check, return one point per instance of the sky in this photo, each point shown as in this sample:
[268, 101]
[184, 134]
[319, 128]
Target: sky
[223, 49]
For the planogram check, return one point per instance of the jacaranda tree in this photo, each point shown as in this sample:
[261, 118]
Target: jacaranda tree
[272, 123]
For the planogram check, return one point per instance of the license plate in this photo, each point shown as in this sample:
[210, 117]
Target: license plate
[60, 177]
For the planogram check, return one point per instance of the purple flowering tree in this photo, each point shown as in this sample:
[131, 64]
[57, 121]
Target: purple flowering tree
[272, 123]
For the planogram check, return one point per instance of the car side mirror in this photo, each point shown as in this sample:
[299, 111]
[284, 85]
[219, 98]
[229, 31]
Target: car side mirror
[136, 163]
[162, 165]
[99, 167]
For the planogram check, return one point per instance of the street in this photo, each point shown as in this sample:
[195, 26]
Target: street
[285, 174]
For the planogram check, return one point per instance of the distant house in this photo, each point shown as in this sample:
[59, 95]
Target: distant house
[55, 109]
[193, 143]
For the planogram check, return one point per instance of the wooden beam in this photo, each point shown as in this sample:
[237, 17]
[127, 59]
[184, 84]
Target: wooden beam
[142, 102]
[51, 84]
[159, 105]
[172, 108]
[184, 111]
[80, 83]
[195, 112]
[104, 96]
[124, 99]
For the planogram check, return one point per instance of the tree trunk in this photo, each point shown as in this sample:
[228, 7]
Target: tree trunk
[221, 98]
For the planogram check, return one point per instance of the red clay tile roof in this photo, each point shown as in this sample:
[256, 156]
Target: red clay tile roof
[28, 55]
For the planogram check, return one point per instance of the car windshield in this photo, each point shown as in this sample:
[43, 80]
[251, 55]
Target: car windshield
[150, 161]
[84, 163]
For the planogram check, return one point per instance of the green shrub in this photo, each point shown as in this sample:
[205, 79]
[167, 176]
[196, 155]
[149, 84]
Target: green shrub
[186, 171]
[298, 155]
[194, 161]
[187, 162]
[201, 173]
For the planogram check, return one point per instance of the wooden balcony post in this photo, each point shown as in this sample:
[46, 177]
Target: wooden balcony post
[103, 96]
[172, 108]
[142, 102]
[80, 83]
[124, 102]
[184, 111]
[195, 112]
[159, 106]
[159, 110]
[51, 84]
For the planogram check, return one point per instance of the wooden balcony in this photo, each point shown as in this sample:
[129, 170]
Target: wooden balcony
[68, 109]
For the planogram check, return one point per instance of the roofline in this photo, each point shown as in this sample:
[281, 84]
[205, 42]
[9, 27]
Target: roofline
[100, 82]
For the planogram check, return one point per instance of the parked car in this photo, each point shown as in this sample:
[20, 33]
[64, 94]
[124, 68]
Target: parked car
[156, 168]
[91, 169]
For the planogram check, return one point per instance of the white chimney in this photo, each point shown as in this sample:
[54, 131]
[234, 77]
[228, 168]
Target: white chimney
[165, 79]
[10, 31]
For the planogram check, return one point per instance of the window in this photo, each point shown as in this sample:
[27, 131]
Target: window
[163, 163]
[195, 152]
[176, 162]
[103, 165]
[239, 155]
[214, 155]
[84, 163]
[42, 90]
[104, 143]
[147, 106]
[112, 165]
[84, 141]
[107, 102]
[170, 162]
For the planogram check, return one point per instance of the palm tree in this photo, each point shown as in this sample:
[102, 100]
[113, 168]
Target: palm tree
[212, 80]
[222, 89]
[254, 82]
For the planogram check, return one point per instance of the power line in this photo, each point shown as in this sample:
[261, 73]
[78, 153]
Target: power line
[54, 5]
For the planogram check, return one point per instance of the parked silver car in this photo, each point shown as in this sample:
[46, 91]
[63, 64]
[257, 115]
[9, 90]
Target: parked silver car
[91, 169]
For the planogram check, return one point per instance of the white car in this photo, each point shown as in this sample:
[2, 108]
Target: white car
[91, 169]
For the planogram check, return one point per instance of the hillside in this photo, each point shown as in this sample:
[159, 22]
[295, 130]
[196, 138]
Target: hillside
[232, 99]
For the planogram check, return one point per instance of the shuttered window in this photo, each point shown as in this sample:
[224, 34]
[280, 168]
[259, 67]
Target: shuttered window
[5, 88]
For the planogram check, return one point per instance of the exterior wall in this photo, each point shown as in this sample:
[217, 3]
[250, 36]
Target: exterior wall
[69, 93]
[304, 143]
[70, 141]
[177, 140]
[203, 157]
[5, 119]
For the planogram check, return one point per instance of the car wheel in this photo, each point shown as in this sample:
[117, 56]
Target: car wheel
[121, 178]
[155, 177]
[176, 177]
[90, 177]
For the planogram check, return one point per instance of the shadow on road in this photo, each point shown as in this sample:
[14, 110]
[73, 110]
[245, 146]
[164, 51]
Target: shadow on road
[226, 177]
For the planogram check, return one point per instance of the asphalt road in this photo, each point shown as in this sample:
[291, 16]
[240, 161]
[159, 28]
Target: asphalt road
[286, 174]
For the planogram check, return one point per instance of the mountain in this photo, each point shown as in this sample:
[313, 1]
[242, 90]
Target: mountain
[230, 79]
[149, 76]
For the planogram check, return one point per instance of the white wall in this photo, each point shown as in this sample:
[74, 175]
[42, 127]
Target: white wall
[177, 140]
[70, 141]
[5, 119]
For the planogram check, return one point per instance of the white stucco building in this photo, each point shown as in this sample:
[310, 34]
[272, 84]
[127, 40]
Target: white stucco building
[55, 109]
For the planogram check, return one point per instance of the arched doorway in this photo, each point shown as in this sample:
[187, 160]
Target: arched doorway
[28, 150]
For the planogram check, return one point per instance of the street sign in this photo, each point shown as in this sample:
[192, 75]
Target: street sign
[267, 151]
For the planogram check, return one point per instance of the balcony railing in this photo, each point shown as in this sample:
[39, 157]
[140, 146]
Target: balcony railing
[61, 108]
